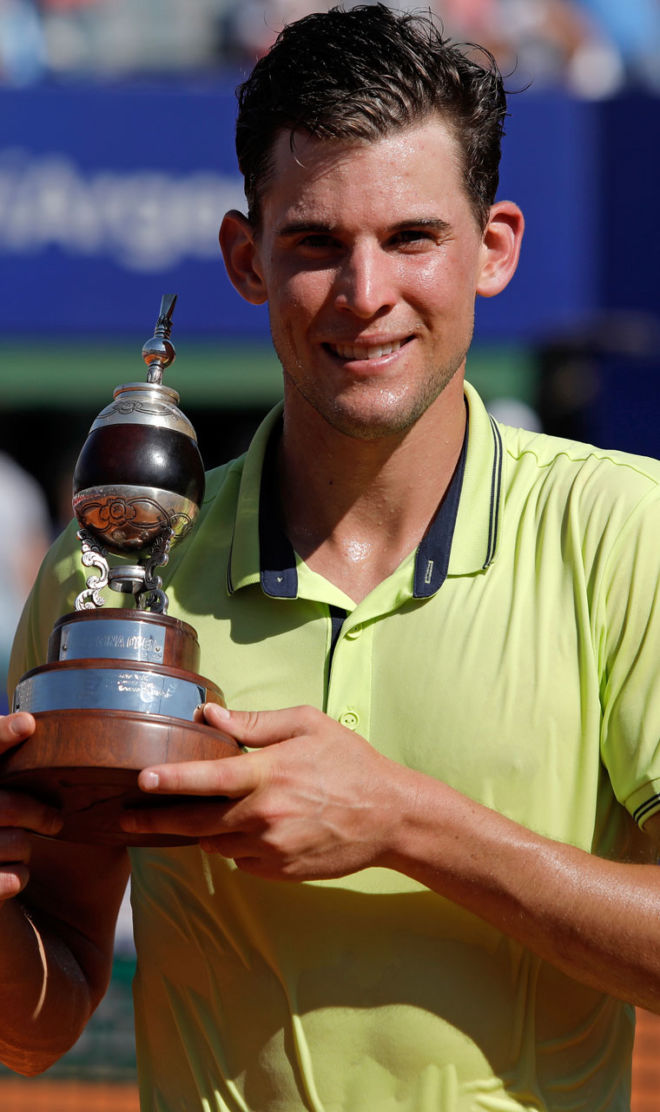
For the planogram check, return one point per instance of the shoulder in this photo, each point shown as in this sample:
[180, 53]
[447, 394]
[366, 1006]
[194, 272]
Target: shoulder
[578, 471]
[584, 506]
[221, 497]
[240, 477]
[222, 482]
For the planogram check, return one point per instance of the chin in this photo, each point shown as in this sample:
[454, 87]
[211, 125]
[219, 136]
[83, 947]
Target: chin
[390, 415]
[374, 425]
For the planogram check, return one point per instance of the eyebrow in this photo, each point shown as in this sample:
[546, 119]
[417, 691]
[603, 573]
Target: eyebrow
[295, 227]
[298, 227]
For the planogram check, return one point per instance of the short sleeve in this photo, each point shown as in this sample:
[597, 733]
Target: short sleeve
[628, 636]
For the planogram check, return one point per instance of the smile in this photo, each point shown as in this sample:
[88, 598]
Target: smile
[365, 351]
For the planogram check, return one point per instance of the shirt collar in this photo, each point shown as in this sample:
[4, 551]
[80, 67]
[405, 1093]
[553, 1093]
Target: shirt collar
[244, 566]
[279, 577]
[461, 539]
[479, 517]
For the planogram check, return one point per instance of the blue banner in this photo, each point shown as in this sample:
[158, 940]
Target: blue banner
[111, 195]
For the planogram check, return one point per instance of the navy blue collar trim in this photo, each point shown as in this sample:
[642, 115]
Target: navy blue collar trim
[279, 577]
[496, 486]
[432, 560]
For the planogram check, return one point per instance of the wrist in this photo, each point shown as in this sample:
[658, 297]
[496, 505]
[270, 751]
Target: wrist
[416, 820]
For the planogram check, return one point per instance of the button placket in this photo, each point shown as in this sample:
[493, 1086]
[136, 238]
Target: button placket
[349, 691]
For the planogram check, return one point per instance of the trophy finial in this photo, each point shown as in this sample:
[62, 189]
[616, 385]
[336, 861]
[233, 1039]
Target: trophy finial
[158, 352]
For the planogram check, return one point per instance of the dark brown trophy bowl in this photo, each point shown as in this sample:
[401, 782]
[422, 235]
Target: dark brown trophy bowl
[85, 758]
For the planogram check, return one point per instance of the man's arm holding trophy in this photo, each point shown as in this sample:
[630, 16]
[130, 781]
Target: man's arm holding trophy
[119, 692]
[58, 909]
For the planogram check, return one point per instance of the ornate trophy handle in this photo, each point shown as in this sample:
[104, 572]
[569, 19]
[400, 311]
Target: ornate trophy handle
[93, 555]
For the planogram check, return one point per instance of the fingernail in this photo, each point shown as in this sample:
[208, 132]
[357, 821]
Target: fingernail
[149, 781]
[20, 724]
[221, 711]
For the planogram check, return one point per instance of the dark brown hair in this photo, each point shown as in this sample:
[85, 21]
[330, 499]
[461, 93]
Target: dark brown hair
[361, 74]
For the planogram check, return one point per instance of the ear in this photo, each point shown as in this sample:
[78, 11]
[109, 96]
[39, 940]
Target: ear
[240, 252]
[501, 248]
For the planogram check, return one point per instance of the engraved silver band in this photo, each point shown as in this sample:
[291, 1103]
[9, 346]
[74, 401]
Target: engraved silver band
[143, 692]
[115, 640]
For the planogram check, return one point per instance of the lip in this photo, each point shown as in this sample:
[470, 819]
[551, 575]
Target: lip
[370, 352]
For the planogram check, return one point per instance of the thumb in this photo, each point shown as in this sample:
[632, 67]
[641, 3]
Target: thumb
[257, 728]
[15, 728]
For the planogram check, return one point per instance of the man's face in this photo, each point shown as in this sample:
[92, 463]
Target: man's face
[369, 255]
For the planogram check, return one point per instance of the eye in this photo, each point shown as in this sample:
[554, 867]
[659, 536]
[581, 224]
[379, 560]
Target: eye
[318, 241]
[419, 238]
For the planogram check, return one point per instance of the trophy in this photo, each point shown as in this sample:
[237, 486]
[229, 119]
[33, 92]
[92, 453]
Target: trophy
[120, 688]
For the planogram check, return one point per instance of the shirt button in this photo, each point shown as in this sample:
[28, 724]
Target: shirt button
[353, 633]
[349, 719]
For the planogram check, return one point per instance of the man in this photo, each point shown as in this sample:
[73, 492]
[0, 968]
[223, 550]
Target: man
[438, 638]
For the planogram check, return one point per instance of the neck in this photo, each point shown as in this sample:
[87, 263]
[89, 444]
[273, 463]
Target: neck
[355, 508]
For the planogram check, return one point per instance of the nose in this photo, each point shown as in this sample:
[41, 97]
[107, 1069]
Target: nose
[365, 283]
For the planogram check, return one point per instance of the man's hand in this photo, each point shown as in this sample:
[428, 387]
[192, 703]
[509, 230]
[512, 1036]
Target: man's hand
[311, 799]
[19, 814]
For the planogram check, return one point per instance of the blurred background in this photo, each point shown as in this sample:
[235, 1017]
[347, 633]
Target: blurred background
[116, 165]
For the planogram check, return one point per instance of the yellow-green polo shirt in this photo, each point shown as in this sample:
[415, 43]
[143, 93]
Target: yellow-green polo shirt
[514, 655]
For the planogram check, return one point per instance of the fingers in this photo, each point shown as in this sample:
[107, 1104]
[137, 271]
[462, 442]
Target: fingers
[15, 728]
[230, 776]
[26, 813]
[14, 857]
[13, 879]
[20, 814]
[16, 809]
[204, 822]
[192, 820]
[260, 728]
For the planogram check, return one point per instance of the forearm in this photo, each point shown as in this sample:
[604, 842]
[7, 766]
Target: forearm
[45, 997]
[596, 920]
[58, 909]
[311, 800]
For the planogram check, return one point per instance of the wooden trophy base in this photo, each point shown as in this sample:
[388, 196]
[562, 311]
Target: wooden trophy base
[86, 762]
[102, 719]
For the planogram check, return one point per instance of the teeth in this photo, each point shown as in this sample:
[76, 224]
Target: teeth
[362, 351]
